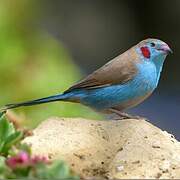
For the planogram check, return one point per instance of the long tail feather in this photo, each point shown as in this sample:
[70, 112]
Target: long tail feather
[34, 102]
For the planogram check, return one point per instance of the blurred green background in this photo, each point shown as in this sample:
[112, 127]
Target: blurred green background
[33, 64]
[48, 45]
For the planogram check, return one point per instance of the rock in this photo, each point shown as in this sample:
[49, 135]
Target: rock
[109, 149]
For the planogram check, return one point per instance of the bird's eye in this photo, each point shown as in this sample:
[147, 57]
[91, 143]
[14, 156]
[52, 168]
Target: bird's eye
[153, 44]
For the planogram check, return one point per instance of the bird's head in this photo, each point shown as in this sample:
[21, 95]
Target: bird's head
[153, 49]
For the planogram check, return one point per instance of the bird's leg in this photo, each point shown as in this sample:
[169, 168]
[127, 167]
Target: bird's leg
[123, 115]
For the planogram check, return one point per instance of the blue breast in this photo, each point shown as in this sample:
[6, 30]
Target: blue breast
[103, 98]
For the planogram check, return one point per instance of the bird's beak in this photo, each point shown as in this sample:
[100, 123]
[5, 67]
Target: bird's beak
[165, 48]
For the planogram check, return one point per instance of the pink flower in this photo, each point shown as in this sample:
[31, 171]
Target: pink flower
[39, 159]
[20, 160]
[23, 160]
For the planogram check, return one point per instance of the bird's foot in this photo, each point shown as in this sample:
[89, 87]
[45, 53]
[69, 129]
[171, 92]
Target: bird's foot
[128, 116]
[123, 115]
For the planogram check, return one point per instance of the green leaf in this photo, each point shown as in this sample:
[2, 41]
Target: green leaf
[40, 172]
[2, 163]
[3, 129]
[57, 170]
[6, 128]
[5, 172]
[2, 113]
[11, 140]
[60, 170]
[8, 135]
[2, 167]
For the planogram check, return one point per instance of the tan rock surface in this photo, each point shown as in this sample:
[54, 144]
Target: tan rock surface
[109, 149]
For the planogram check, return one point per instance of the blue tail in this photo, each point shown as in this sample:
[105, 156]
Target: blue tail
[59, 97]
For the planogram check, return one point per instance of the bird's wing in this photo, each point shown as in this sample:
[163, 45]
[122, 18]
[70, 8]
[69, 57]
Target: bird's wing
[118, 71]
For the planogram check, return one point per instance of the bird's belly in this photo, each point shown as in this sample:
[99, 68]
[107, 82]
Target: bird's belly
[132, 102]
[123, 96]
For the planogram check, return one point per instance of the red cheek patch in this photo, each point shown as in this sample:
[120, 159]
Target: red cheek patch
[145, 52]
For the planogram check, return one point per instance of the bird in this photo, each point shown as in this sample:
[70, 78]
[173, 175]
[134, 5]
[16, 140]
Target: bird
[120, 84]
